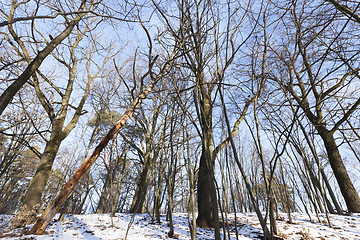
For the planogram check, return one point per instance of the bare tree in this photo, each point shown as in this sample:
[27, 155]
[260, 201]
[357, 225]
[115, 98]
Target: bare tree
[199, 24]
[51, 210]
[314, 79]
[34, 63]
[58, 109]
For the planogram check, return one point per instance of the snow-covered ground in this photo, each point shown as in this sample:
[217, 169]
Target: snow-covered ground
[98, 226]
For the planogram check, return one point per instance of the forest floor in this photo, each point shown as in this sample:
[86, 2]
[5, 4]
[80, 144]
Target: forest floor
[98, 226]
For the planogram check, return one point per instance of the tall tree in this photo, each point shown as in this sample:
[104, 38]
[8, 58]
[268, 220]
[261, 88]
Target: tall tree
[208, 53]
[317, 72]
[52, 209]
[58, 111]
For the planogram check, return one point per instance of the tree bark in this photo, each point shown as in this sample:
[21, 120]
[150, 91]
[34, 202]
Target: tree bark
[102, 205]
[141, 189]
[205, 204]
[149, 159]
[32, 198]
[347, 189]
[119, 182]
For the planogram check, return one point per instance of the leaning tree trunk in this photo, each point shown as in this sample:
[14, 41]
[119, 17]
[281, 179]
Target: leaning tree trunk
[309, 167]
[54, 207]
[347, 189]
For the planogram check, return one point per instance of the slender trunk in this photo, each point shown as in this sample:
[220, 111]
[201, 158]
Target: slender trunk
[225, 209]
[157, 202]
[287, 202]
[138, 202]
[171, 178]
[268, 186]
[127, 189]
[103, 205]
[79, 211]
[245, 178]
[191, 206]
[170, 206]
[316, 182]
[325, 200]
[157, 199]
[273, 225]
[309, 167]
[118, 187]
[231, 191]
[192, 209]
[332, 195]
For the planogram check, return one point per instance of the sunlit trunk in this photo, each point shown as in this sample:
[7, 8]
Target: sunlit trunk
[347, 189]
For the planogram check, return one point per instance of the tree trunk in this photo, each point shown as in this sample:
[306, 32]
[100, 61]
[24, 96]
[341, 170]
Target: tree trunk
[332, 195]
[32, 198]
[191, 206]
[157, 198]
[205, 216]
[102, 206]
[347, 189]
[137, 205]
[170, 205]
[206, 186]
[118, 186]
[140, 193]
